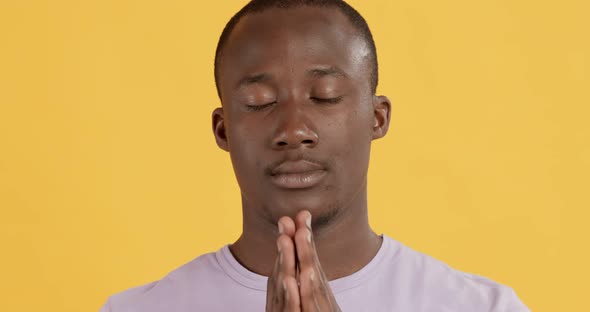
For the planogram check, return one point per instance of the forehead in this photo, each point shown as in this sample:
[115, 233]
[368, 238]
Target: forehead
[293, 39]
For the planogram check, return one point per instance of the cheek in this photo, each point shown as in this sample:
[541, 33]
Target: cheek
[245, 153]
[349, 139]
[359, 125]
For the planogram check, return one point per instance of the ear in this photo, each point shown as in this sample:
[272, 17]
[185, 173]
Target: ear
[219, 129]
[382, 111]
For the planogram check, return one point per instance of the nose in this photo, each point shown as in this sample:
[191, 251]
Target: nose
[294, 129]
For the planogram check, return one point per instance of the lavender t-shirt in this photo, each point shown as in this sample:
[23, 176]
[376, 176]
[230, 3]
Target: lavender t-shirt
[397, 279]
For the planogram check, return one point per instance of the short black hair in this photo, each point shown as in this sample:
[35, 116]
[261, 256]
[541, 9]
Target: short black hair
[257, 6]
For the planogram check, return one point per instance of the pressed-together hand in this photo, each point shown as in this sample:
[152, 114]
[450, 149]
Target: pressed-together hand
[298, 282]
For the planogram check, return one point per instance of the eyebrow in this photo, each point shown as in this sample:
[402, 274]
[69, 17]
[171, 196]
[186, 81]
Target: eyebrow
[315, 72]
[328, 71]
[253, 79]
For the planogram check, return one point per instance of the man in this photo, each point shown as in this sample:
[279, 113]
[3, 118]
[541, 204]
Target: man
[297, 82]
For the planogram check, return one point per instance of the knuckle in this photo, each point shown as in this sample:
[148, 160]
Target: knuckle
[301, 234]
[276, 300]
[306, 272]
[307, 283]
[279, 278]
[283, 240]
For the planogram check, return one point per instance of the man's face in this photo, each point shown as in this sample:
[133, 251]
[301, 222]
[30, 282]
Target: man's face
[298, 111]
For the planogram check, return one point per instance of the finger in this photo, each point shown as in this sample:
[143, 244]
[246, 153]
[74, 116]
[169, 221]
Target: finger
[286, 226]
[315, 295]
[314, 289]
[308, 272]
[286, 255]
[306, 252]
[274, 294]
[284, 267]
[291, 291]
[278, 261]
[303, 219]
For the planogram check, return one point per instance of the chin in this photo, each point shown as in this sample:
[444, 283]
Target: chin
[320, 207]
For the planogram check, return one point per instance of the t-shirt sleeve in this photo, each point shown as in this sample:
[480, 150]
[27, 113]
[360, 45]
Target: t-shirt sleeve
[106, 307]
[121, 301]
[512, 303]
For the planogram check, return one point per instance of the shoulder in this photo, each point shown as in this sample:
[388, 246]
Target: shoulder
[179, 281]
[439, 284]
[125, 297]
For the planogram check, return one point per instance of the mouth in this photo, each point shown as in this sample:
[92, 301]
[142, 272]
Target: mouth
[298, 180]
[297, 175]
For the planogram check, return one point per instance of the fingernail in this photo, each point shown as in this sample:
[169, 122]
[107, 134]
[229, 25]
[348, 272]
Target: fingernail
[312, 276]
[280, 257]
[281, 229]
[309, 237]
[308, 222]
[279, 247]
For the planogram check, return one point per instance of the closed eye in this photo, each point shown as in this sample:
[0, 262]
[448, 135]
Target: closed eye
[255, 108]
[326, 100]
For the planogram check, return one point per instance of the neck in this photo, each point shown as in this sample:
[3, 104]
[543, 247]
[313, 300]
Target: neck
[345, 244]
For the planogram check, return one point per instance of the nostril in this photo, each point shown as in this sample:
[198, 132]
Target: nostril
[281, 143]
[307, 141]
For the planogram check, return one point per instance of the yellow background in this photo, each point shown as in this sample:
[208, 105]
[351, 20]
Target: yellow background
[110, 177]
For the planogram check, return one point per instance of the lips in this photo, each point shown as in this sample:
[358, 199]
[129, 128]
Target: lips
[297, 174]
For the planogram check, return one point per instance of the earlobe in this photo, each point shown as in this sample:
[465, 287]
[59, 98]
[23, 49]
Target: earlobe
[382, 115]
[219, 129]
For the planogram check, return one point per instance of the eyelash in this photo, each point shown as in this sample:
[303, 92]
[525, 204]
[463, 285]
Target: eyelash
[327, 101]
[255, 108]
